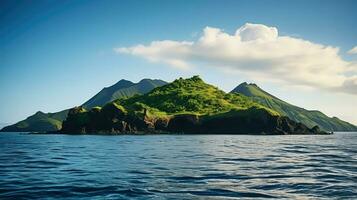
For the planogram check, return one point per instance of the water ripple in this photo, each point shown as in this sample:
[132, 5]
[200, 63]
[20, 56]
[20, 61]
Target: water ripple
[178, 167]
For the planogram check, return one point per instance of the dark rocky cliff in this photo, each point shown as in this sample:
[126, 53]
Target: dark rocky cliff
[112, 119]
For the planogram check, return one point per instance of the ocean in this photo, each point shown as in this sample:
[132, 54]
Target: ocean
[178, 166]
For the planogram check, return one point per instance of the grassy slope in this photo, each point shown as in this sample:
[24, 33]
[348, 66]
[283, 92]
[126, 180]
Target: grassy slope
[309, 118]
[40, 121]
[187, 96]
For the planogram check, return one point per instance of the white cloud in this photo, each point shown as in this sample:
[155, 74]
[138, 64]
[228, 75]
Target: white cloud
[259, 52]
[169, 52]
[353, 50]
[250, 32]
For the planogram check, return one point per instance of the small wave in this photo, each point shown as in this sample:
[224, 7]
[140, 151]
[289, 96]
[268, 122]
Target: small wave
[229, 193]
[237, 159]
[206, 177]
[138, 172]
[175, 167]
[219, 193]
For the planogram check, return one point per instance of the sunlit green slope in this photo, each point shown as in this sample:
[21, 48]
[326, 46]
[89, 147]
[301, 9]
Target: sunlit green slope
[307, 117]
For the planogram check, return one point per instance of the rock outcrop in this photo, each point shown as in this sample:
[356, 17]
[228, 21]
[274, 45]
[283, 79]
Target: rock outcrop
[114, 119]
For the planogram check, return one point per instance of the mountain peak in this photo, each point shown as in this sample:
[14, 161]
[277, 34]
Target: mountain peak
[196, 78]
[252, 90]
[246, 88]
[148, 80]
[192, 79]
[243, 84]
[121, 83]
[253, 84]
[144, 80]
[39, 113]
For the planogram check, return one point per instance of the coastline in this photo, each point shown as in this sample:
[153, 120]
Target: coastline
[167, 133]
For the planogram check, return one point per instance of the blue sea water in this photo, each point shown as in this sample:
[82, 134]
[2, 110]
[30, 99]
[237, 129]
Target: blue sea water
[178, 166]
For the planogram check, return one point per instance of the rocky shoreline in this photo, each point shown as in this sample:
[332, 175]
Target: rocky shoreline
[114, 121]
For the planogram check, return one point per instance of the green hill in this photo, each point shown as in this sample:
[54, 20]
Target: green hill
[184, 106]
[40, 122]
[307, 117]
[188, 96]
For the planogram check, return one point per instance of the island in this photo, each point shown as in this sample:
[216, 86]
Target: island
[185, 106]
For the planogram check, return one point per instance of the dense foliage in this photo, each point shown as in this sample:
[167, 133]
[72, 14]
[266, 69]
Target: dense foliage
[187, 96]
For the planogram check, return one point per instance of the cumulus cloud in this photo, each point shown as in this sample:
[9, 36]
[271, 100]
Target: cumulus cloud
[353, 50]
[166, 51]
[257, 50]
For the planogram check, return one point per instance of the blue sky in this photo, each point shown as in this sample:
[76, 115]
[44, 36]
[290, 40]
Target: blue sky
[57, 54]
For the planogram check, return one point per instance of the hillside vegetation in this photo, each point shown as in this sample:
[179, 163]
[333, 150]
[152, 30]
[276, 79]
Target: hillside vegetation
[39, 122]
[183, 106]
[307, 117]
[191, 95]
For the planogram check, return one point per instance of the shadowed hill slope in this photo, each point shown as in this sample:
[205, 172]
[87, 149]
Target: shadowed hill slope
[122, 89]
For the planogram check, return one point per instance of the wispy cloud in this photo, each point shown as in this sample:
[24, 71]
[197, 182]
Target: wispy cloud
[260, 52]
[353, 50]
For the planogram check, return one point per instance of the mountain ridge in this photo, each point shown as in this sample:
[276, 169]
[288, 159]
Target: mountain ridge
[309, 117]
[122, 88]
